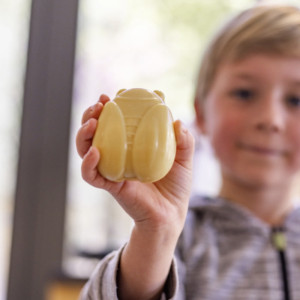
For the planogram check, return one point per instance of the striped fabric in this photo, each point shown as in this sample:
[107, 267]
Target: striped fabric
[224, 253]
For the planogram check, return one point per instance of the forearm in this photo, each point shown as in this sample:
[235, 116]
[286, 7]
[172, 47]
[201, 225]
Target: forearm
[145, 264]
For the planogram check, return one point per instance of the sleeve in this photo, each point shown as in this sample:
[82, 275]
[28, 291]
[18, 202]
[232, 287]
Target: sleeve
[179, 272]
[102, 284]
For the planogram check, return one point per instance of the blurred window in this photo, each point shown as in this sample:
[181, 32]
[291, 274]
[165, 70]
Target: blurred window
[14, 27]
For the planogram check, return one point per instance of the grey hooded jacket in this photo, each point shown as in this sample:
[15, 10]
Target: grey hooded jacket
[224, 253]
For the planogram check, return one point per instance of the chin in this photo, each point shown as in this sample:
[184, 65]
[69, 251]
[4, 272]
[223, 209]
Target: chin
[263, 182]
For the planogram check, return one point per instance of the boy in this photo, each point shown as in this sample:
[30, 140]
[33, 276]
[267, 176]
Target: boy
[243, 244]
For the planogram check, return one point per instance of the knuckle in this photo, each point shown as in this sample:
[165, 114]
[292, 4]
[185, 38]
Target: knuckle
[84, 173]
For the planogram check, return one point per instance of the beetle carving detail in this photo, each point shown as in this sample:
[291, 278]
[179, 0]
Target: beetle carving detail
[135, 137]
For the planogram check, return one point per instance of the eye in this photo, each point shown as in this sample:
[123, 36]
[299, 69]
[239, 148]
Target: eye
[293, 101]
[243, 94]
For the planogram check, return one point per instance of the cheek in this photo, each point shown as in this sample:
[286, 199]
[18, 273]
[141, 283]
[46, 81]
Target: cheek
[292, 139]
[223, 148]
[224, 132]
[295, 139]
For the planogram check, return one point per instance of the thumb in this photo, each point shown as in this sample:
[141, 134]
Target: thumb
[185, 145]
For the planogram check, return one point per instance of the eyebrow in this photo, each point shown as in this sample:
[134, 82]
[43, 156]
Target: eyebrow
[246, 76]
[251, 77]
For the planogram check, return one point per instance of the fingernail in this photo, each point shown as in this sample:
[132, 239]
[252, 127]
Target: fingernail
[92, 108]
[183, 128]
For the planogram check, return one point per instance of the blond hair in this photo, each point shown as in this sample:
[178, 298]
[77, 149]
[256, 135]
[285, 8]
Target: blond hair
[269, 29]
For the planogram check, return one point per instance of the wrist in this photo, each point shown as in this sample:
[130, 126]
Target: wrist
[145, 263]
[165, 222]
[156, 236]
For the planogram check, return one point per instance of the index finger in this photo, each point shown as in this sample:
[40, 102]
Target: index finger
[94, 110]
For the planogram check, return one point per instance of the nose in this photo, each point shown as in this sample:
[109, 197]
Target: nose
[270, 114]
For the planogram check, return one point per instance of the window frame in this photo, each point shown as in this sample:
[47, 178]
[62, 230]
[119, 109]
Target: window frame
[40, 197]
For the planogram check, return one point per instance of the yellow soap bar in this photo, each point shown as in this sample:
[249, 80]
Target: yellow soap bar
[135, 137]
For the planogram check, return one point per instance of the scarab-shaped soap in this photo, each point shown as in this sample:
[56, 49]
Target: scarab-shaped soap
[135, 137]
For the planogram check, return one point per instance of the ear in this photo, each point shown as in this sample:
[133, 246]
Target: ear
[200, 119]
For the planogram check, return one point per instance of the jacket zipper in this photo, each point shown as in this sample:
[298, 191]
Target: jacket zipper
[279, 242]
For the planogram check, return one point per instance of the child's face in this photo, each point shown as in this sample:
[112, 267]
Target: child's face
[252, 118]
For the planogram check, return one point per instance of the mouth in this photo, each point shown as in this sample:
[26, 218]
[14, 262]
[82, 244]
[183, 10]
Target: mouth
[262, 150]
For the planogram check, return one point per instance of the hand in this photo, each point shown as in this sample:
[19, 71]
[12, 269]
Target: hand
[151, 205]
